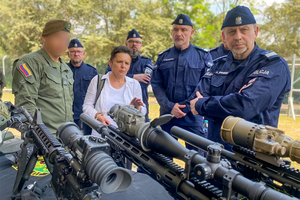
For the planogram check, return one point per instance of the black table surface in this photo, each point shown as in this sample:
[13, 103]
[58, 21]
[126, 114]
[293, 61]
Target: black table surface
[142, 188]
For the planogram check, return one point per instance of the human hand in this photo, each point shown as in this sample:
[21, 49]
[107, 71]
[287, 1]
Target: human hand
[137, 103]
[193, 103]
[144, 78]
[177, 112]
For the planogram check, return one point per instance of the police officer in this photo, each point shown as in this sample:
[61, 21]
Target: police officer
[219, 51]
[141, 67]
[42, 80]
[2, 83]
[249, 82]
[176, 74]
[82, 75]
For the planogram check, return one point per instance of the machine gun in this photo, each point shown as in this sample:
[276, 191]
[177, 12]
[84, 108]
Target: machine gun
[147, 145]
[257, 153]
[10, 116]
[75, 175]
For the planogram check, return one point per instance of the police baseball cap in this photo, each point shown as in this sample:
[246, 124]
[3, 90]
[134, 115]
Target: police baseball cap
[238, 16]
[182, 19]
[56, 25]
[75, 43]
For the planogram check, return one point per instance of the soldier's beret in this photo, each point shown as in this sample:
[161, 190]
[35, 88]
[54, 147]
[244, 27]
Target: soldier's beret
[238, 16]
[182, 19]
[133, 34]
[56, 25]
[75, 43]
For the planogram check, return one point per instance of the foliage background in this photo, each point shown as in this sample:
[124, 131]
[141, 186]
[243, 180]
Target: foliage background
[103, 24]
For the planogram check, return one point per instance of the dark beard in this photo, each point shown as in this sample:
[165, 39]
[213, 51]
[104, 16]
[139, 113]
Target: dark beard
[76, 61]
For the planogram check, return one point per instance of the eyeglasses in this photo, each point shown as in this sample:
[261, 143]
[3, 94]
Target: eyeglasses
[74, 52]
[134, 42]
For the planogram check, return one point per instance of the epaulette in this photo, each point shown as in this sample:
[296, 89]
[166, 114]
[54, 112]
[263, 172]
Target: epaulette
[270, 54]
[204, 50]
[220, 58]
[89, 65]
[145, 57]
[161, 53]
[214, 49]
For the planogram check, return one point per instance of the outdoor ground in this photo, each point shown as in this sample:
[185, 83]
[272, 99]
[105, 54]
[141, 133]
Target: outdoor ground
[290, 126]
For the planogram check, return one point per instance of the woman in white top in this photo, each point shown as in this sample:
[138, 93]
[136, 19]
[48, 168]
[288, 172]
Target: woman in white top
[118, 89]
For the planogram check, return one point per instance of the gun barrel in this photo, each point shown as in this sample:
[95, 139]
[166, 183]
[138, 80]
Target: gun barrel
[195, 140]
[94, 124]
[202, 143]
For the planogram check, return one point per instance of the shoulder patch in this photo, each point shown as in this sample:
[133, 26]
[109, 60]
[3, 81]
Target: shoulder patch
[25, 70]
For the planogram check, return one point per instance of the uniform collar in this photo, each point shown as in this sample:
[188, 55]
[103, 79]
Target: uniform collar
[136, 59]
[48, 59]
[184, 50]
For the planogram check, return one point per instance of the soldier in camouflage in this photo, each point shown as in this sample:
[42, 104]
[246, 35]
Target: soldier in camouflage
[42, 80]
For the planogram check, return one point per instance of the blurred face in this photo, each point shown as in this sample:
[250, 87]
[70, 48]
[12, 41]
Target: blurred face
[181, 35]
[76, 55]
[120, 64]
[135, 44]
[240, 39]
[56, 43]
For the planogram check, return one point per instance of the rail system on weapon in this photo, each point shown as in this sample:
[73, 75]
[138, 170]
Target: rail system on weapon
[76, 175]
[147, 145]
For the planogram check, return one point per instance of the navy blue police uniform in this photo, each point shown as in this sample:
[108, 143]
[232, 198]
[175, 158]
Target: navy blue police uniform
[252, 89]
[175, 77]
[82, 77]
[218, 52]
[139, 65]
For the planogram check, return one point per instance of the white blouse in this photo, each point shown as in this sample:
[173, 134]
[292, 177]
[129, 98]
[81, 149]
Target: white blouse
[132, 90]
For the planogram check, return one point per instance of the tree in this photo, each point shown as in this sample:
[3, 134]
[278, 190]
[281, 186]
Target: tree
[281, 30]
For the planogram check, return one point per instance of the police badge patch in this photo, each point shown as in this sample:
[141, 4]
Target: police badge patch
[68, 26]
[250, 83]
[238, 20]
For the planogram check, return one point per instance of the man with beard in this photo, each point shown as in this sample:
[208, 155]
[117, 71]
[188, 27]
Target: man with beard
[83, 73]
[141, 66]
[176, 74]
[42, 80]
[249, 82]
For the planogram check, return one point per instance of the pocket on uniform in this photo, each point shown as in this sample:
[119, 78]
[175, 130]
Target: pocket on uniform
[51, 84]
[85, 82]
[53, 78]
[217, 80]
[192, 74]
[71, 81]
[168, 71]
